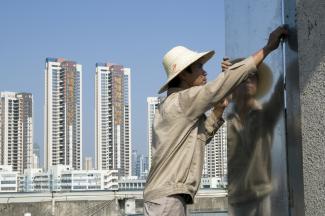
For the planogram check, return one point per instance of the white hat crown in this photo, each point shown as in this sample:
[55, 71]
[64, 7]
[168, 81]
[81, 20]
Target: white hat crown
[179, 58]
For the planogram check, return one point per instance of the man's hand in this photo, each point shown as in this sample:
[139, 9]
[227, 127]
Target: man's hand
[225, 64]
[220, 107]
[275, 38]
[272, 44]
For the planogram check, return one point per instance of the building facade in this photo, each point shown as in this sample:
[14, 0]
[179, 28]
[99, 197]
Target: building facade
[139, 165]
[131, 183]
[16, 130]
[64, 178]
[113, 118]
[8, 179]
[36, 156]
[63, 113]
[152, 103]
[88, 163]
[215, 164]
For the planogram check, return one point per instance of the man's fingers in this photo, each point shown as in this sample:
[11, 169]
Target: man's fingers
[227, 63]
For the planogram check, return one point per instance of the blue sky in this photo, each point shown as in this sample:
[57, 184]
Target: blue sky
[135, 34]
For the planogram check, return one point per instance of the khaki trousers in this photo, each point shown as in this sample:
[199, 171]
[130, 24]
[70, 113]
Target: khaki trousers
[174, 205]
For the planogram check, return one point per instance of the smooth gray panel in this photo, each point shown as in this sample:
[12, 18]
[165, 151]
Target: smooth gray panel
[248, 24]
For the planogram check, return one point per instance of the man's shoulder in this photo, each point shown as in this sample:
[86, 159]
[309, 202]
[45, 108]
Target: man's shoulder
[170, 106]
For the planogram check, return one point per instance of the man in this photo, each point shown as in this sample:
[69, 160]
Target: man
[249, 141]
[181, 129]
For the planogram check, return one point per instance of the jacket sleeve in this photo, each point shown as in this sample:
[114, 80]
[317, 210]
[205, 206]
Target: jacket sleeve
[275, 105]
[197, 100]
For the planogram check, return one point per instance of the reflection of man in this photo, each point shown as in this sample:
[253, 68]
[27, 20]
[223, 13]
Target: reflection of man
[181, 129]
[250, 137]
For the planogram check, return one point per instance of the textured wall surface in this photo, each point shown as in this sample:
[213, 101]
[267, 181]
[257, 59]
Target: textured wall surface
[77, 208]
[311, 52]
[112, 207]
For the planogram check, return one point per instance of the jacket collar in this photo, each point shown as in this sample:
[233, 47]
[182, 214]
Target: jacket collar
[174, 90]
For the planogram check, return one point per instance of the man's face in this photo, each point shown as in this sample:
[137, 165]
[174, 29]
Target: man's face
[197, 76]
[249, 87]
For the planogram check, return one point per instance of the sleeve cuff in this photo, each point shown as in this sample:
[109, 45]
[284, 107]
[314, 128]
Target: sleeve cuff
[212, 124]
[251, 64]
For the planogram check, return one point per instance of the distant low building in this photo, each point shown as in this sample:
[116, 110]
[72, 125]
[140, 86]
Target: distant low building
[64, 178]
[131, 183]
[8, 179]
[35, 180]
[213, 183]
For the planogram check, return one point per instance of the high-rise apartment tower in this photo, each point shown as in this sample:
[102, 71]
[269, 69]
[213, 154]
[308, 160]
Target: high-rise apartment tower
[63, 113]
[16, 130]
[113, 118]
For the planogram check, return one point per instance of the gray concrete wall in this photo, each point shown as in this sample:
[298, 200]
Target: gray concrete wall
[113, 207]
[311, 55]
[71, 208]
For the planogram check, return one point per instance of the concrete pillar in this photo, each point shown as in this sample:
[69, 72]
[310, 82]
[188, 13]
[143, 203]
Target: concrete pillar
[130, 206]
[311, 57]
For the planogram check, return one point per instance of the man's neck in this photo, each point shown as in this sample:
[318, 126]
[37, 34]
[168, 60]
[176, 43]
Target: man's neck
[184, 85]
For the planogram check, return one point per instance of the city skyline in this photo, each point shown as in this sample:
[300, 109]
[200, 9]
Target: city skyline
[137, 37]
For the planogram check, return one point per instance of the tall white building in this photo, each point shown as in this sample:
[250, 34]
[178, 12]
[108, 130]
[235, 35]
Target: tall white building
[16, 130]
[113, 118]
[215, 164]
[152, 103]
[63, 113]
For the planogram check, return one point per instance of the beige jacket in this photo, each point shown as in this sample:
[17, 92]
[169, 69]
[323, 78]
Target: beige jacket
[249, 143]
[181, 130]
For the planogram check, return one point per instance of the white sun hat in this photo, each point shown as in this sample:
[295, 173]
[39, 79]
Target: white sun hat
[178, 59]
[265, 78]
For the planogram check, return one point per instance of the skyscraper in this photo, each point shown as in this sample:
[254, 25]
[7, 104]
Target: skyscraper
[113, 118]
[16, 130]
[63, 113]
[153, 103]
[215, 164]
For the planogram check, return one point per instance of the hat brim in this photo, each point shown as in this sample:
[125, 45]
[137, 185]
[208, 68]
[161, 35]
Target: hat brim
[202, 57]
[265, 78]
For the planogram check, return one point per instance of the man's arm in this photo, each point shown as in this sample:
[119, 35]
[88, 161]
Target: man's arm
[197, 100]
[272, 44]
[273, 107]
[214, 120]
